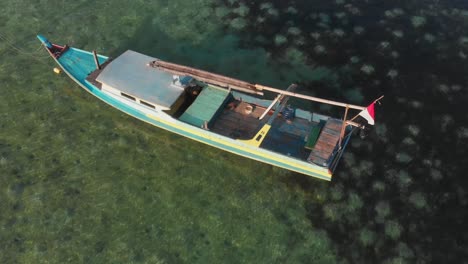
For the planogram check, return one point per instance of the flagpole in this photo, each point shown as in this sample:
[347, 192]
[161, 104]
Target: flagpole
[376, 100]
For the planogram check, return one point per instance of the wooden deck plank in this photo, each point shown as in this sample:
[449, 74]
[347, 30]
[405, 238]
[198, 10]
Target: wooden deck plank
[235, 122]
[326, 142]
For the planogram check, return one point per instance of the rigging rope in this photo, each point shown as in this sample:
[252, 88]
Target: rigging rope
[12, 45]
[34, 55]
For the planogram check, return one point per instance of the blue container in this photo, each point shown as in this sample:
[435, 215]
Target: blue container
[289, 113]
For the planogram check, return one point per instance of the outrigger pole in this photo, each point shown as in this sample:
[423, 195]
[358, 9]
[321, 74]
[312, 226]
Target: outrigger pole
[205, 76]
[307, 97]
[237, 84]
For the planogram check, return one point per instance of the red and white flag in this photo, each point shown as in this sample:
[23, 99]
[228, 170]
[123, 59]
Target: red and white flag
[368, 114]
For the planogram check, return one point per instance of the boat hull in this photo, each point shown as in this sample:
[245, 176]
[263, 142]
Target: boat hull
[78, 64]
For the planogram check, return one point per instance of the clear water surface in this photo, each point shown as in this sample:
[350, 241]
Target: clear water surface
[81, 182]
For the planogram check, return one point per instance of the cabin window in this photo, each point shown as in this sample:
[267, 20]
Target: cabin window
[128, 96]
[147, 104]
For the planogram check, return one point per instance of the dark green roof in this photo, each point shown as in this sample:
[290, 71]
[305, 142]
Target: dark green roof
[205, 108]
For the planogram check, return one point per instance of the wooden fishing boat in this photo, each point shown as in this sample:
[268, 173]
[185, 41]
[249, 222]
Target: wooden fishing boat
[217, 110]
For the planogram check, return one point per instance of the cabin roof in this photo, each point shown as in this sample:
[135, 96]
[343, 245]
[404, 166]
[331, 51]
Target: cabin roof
[206, 107]
[130, 74]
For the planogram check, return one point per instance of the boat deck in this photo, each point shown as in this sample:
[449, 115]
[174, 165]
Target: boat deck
[289, 138]
[238, 120]
[80, 63]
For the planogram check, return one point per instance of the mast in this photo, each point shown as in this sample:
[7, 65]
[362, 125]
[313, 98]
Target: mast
[343, 126]
[96, 60]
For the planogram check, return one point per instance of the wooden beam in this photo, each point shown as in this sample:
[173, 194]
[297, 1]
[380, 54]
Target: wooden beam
[233, 83]
[343, 126]
[306, 97]
[280, 97]
[270, 107]
[349, 122]
[212, 81]
[205, 76]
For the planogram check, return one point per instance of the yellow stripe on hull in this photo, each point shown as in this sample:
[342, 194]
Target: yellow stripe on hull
[258, 139]
[247, 148]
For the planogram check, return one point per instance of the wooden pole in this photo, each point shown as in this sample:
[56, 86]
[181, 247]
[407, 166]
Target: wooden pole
[291, 88]
[306, 97]
[205, 76]
[96, 60]
[233, 83]
[270, 106]
[343, 126]
[348, 122]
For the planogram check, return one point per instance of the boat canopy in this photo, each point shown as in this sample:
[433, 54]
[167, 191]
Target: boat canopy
[130, 74]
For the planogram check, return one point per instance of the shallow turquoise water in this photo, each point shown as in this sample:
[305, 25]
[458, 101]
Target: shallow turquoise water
[81, 182]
